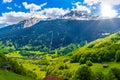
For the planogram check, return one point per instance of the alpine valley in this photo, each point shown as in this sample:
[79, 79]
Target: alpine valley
[67, 48]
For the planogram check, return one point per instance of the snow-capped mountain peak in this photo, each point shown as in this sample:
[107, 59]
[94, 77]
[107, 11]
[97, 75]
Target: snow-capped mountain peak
[30, 22]
[78, 15]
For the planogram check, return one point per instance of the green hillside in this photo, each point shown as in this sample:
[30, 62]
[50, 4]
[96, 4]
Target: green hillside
[14, 70]
[101, 50]
[6, 75]
[102, 58]
[90, 59]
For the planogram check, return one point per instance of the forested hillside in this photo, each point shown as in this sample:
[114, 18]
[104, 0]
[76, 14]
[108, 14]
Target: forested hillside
[101, 50]
[98, 60]
[53, 34]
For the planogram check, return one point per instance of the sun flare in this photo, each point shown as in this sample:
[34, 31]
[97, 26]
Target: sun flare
[108, 12]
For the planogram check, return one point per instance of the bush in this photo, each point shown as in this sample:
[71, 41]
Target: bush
[89, 63]
[114, 74]
[100, 76]
[83, 73]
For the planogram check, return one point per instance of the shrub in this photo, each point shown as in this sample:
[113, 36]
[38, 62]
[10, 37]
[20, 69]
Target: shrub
[83, 73]
[100, 76]
[114, 74]
[89, 63]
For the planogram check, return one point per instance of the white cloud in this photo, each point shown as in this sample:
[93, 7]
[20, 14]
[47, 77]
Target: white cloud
[17, 5]
[110, 2]
[54, 12]
[35, 11]
[83, 8]
[13, 17]
[91, 2]
[80, 7]
[9, 8]
[94, 7]
[7, 1]
[33, 7]
[39, 15]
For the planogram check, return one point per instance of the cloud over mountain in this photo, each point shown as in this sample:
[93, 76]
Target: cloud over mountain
[54, 12]
[13, 17]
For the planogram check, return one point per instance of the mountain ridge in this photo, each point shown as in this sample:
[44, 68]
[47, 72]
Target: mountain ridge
[52, 34]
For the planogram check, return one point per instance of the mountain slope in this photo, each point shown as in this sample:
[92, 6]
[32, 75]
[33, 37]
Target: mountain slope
[21, 25]
[101, 50]
[52, 34]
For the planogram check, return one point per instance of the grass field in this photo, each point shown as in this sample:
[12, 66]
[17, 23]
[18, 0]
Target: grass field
[6, 75]
[97, 67]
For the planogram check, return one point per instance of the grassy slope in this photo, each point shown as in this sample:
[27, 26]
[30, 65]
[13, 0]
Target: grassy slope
[101, 43]
[5, 75]
[95, 46]
[93, 51]
[97, 67]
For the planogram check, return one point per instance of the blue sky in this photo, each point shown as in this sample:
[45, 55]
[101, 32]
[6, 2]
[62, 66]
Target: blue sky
[13, 11]
[50, 4]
